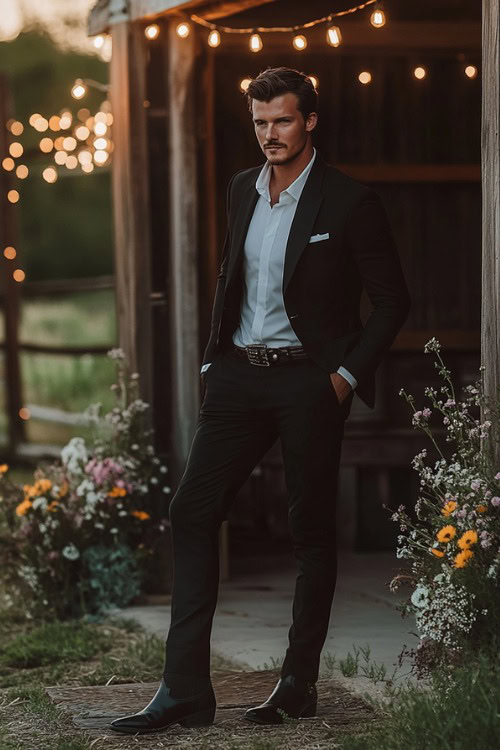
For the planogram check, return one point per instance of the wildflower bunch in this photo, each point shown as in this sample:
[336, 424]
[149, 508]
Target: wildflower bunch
[453, 538]
[108, 492]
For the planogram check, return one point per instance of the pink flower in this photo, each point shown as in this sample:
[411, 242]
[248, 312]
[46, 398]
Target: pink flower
[495, 501]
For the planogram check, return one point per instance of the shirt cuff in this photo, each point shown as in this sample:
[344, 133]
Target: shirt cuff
[205, 367]
[347, 375]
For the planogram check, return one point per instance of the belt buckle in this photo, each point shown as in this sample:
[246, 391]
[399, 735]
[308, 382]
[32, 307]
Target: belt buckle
[256, 354]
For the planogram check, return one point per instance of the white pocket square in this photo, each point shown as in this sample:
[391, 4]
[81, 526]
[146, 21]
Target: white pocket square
[319, 237]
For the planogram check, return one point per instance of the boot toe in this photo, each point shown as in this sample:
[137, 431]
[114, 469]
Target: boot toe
[266, 714]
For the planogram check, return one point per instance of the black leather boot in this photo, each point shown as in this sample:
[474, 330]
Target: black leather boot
[292, 697]
[164, 710]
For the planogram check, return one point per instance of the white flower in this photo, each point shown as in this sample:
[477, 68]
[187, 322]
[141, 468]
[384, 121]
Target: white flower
[40, 502]
[74, 454]
[420, 597]
[70, 552]
[167, 490]
[154, 480]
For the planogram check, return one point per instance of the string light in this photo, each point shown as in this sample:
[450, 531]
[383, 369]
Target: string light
[100, 144]
[100, 157]
[315, 81]
[8, 164]
[365, 77]
[46, 145]
[100, 128]
[152, 31]
[60, 157]
[99, 42]
[183, 29]
[256, 43]
[41, 124]
[78, 89]
[22, 171]
[83, 113]
[13, 196]
[245, 83]
[49, 174]
[377, 18]
[71, 162]
[19, 275]
[69, 143]
[16, 128]
[420, 73]
[10, 252]
[470, 71]
[299, 41]
[16, 150]
[65, 120]
[82, 132]
[33, 118]
[333, 36]
[214, 38]
[24, 412]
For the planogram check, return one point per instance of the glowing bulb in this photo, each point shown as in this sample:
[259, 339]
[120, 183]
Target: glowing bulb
[299, 41]
[100, 117]
[100, 128]
[54, 123]
[60, 157]
[100, 144]
[99, 42]
[109, 119]
[8, 164]
[365, 77]
[152, 31]
[315, 81]
[377, 18]
[71, 162]
[33, 118]
[41, 124]
[69, 143]
[22, 171]
[13, 196]
[46, 145]
[19, 274]
[10, 253]
[65, 120]
[24, 412]
[183, 29]
[79, 89]
[85, 157]
[49, 174]
[16, 150]
[214, 38]
[471, 71]
[100, 157]
[420, 73]
[333, 36]
[87, 168]
[59, 143]
[245, 83]
[83, 113]
[82, 132]
[256, 43]
[16, 128]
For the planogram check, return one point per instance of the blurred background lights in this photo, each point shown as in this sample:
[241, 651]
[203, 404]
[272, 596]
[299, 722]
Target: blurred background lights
[245, 83]
[9, 252]
[79, 89]
[85, 157]
[24, 412]
[34, 117]
[16, 150]
[22, 171]
[60, 157]
[365, 77]
[87, 168]
[299, 41]
[69, 143]
[183, 29]
[333, 36]
[13, 196]
[71, 162]
[83, 113]
[41, 124]
[153, 31]
[100, 128]
[100, 117]
[315, 81]
[16, 128]
[65, 120]
[49, 174]
[54, 123]
[99, 42]
[82, 132]
[8, 164]
[214, 38]
[100, 144]
[46, 145]
[255, 43]
[100, 157]
[420, 73]
[471, 71]
[19, 275]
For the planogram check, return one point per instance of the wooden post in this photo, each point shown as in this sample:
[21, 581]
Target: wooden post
[490, 163]
[10, 289]
[183, 284]
[131, 213]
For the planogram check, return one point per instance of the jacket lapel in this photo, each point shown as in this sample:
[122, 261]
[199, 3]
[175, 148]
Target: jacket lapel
[302, 224]
[305, 215]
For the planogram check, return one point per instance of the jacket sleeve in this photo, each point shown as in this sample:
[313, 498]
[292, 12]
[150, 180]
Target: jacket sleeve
[221, 284]
[374, 252]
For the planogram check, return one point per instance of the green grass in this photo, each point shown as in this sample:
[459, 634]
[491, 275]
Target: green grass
[457, 712]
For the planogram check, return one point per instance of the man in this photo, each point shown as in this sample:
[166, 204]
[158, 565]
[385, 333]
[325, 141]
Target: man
[287, 350]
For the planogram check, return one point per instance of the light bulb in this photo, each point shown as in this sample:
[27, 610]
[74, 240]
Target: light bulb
[377, 18]
[183, 29]
[420, 73]
[152, 31]
[299, 41]
[214, 38]
[315, 81]
[79, 89]
[471, 71]
[256, 43]
[245, 83]
[333, 36]
[365, 77]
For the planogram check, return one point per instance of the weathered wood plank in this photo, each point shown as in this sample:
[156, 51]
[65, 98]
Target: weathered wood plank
[490, 158]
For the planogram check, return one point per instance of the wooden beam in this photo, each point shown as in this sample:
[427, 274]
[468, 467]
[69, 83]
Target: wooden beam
[490, 158]
[183, 255]
[130, 186]
[209, 10]
[412, 173]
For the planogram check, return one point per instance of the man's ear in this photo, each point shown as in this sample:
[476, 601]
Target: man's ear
[311, 121]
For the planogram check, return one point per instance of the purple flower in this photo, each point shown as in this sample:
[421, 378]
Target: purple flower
[495, 501]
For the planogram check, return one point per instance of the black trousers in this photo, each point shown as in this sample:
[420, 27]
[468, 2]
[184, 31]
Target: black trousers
[245, 409]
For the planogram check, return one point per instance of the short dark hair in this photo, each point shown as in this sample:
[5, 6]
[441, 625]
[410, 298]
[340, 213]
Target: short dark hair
[277, 81]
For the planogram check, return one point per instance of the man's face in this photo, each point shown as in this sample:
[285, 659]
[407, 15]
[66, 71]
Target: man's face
[280, 128]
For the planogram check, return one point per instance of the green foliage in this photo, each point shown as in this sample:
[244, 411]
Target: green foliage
[53, 642]
[111, 577]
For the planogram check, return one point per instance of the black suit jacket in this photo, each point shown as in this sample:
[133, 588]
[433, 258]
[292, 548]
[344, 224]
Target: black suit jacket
[322, 281]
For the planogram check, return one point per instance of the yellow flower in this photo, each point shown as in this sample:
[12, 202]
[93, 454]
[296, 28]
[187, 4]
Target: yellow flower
[462, 558]
[117, 492]
[446, 533]
[437, 552]
[468, 538]
[42, 485]
[140, 514]
[449, 507]
[481, 508]
[4, 468]
[23, 507]
[63, 489]
[30, 490]
[52, 506]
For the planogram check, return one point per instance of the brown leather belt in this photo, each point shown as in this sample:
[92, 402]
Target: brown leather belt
[261, 354]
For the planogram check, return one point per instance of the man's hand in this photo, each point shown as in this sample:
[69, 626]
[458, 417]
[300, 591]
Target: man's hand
[342, 387]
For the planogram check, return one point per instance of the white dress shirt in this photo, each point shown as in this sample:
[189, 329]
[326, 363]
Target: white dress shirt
[263, 318]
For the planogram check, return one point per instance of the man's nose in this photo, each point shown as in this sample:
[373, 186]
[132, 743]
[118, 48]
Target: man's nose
[270, 135]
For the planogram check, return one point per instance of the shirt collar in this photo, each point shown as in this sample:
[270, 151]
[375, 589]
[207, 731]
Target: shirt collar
[295, 189]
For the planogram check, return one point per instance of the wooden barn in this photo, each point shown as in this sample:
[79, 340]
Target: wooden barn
[400, 110]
